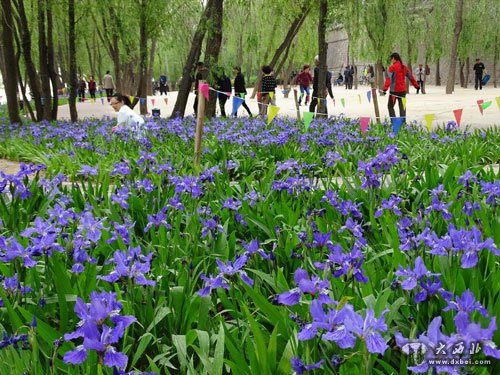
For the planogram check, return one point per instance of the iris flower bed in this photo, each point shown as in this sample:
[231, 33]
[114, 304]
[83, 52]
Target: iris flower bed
[286, 251]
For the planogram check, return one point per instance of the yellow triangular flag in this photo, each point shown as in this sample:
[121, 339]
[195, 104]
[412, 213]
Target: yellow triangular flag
[131, 99]
[404, 103]
[273, 111]
[359, 98]
[498, 101]
[92, 100]
[271, 95]
[318, 100]
[428, 120]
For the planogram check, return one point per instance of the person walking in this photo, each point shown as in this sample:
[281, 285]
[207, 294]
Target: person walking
[163, 84]
[224, 86]
[240, 90]
[267, 90]
[81, 89]
[304, 80]
[92, 87]
[478, 69]
[420, 77]
[108, 85]
[315, 94]
[396, 83]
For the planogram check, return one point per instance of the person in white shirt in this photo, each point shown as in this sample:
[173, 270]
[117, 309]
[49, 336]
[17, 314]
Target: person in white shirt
[127, 118]
[420, 77]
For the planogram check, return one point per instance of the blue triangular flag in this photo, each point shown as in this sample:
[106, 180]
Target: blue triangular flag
[143, 100]
[237, 101]
[369, 95]
[396, 124]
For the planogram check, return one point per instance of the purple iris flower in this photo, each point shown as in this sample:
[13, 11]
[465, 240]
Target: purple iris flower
[12, 286]
[492, 192]
[466, 304]
[131, 264]
[431, 345]
[252, 197]
[439, 206]
[467, 178]
[347, 265]
[253, 247]
[91, 227]
[236, 267]
[175, 203]
[120, 197]
[390, 204]
[211, 226]
[305, 285]
[87, 170]
[368, 329]
[157, 220]
[122, 168]
[474, 334]
[232, 204]
[212, 283]
[321, 239]
[300, 368]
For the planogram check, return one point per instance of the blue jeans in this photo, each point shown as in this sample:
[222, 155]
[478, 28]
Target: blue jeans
[305, 89]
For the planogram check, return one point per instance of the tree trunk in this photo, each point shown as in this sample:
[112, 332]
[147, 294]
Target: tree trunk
[467, 68]
[438, 74]
[32, 75]
[152, 53]
[450, 86]
[112, 45]
[192, 58]
[496, 56]
[379, 75]
[143, 59]
[462, 76]
[72, 61]
[214, 41]
[323, 48]
[51, 66]
[9, 62]
[42, 60]
[290, 35]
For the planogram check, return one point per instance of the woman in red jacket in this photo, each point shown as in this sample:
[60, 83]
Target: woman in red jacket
[396, 83]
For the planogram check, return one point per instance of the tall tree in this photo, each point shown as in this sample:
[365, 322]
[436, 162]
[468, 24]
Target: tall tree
[72, 61]
[192, 58]
[9, 63]
[450, 85]
[214, 40]
[323, 48]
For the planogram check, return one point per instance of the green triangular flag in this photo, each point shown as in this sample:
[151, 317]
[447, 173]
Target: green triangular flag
[486, 104]
[308, 116]
[342, 100]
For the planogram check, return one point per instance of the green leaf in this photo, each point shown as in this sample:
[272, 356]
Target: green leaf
[219, 352]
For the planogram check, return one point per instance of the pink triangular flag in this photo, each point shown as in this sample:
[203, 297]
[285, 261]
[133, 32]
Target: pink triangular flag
[458, 115]
[228, 94]
[204, 89]
[153, 102]
[479, 102]
[363, 121]
[166, 99]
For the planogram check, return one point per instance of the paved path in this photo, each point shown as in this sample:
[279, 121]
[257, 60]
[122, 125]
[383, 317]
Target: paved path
[435, 101]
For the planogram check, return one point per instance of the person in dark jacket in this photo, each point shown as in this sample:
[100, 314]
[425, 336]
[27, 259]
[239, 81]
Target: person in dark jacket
[315, 94]
[240, 90]
[396, 83]
[92, 87]
[224, 86]
[81, 89]
[478, 69]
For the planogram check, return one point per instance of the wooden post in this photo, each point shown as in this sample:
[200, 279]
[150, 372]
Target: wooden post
[296, 103]
[199, 126]
[375, 102]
